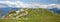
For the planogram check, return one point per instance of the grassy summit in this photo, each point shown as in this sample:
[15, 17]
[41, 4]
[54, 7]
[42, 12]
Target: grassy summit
[36, 15]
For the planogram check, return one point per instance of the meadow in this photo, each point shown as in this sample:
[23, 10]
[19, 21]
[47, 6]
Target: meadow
[36, 15]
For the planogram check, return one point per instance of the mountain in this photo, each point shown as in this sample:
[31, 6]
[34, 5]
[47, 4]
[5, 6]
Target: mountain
[54, 8]
[36, 15]
[4, 11]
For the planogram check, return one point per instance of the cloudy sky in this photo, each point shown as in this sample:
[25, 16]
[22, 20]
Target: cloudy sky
[31, 3]
[37, 1]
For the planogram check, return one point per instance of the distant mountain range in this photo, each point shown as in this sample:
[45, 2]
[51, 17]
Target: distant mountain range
[4, 11]
[55, 9]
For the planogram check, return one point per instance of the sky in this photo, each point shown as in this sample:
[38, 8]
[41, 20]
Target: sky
[31, 3]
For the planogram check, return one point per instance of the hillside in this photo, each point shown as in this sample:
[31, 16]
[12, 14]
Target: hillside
[35, 15]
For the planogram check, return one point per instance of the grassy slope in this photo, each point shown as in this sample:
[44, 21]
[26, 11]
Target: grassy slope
[37, 15]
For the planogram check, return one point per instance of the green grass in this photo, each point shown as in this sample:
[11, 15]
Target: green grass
[37, 15]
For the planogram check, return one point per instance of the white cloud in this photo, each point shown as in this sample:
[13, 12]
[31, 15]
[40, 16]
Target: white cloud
[20, 4]
[50, 6]
[2, 6]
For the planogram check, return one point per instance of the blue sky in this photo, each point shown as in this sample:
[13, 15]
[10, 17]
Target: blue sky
[43, 1]
[38, 1]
